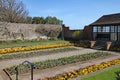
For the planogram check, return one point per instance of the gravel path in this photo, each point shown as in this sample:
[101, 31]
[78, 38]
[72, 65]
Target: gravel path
[7, 63]
[65, 68]
[11, 62]
[56, 70]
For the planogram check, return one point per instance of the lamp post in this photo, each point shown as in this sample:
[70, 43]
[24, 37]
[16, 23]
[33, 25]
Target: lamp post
[32, 67]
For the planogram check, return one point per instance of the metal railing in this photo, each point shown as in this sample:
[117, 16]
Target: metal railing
[32, 67]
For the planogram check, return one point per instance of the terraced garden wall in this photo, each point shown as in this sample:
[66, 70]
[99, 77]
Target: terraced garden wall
[13, 31]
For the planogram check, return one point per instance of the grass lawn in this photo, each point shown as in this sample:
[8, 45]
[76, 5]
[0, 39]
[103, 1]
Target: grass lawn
[106, 75]
[28, 43]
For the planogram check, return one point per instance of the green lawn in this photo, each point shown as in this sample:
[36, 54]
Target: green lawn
[106, 75]
[28, 43]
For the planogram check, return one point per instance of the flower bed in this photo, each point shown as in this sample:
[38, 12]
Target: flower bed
[83, 71]
[38, 47]
[36, 53]
[57, 62]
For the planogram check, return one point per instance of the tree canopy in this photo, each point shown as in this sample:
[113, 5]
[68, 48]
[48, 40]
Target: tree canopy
[47, 20]
[13, 11]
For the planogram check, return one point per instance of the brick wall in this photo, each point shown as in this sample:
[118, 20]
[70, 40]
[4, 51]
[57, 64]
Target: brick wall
[88, 32]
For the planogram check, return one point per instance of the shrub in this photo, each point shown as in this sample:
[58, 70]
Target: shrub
[85, 44]
[115, 46]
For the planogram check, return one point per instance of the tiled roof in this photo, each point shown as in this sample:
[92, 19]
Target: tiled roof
[108, 19]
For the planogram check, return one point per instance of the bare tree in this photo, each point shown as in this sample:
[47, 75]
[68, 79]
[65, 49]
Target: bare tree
[13, 11]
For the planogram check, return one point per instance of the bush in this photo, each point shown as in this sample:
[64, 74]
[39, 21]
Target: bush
[115, 46]
[2, 41]
[85, 44]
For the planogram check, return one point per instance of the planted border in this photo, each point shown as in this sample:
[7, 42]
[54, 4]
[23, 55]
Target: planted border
[83, 71]
[57, 62]
[36, 53]
[30, 48]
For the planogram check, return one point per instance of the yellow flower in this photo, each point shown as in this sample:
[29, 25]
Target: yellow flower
[18, 49]
[85, 71]
[75, 73]
[61, 78]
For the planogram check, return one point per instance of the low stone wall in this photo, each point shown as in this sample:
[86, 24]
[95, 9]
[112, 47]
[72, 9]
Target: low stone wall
[13, 31]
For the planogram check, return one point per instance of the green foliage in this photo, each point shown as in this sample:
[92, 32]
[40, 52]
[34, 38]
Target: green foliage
[85, 44]
[47, 20]
[118, 75]
[18, 43]
[115, 46]
[77, 34]
[38, 20]
[29, 20]
[52, 20]
[57, 62]
[2, 41]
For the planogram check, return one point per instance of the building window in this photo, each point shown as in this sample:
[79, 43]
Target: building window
[104, 29]
[107, 29]
[115, 28]
[119, 28]
[95, 29]
[112, 29]
[99, 29]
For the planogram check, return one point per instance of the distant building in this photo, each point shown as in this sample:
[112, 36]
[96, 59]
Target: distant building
[68, 34]
[106, 27]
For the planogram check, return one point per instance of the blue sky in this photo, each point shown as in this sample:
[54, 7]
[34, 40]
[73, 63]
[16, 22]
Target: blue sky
[74, 13]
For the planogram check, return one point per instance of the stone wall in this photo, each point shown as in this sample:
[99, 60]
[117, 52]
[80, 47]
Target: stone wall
[13, 31]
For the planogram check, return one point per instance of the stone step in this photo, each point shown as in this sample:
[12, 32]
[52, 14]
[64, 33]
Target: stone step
[100, 45]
